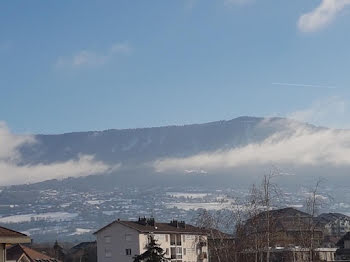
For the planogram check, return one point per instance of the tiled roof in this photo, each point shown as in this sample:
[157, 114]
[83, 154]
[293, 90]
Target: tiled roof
[5, 232]
[158, 228]
[16, 251]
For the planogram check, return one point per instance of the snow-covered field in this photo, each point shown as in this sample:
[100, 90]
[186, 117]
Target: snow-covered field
[187, 195]
[80, 231]
[52, 216]
[195, 206]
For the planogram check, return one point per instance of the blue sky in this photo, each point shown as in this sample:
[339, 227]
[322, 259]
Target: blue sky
[92, 65]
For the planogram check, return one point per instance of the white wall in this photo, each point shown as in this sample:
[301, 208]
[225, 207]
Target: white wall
[189, 245]
[122, 238]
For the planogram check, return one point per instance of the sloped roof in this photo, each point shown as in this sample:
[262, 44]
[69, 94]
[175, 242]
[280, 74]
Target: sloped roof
[5, 232]
[288, 211]
[286, 219]
[8, 236]
[326, 218]
[16, 251]
[83, 245]
[158, 228]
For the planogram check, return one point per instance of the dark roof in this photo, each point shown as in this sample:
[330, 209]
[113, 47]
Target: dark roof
[158, 228]
[5, 232]
[83, 245]
[16, 251]
[326, 218]
[288, 211]
[285, 219]
[284, 213]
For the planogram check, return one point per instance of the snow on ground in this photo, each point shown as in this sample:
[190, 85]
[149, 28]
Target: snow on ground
[52, 216]
[110, 213]
[187, 195]
[96, 202]
[80, 231]
[195, 206]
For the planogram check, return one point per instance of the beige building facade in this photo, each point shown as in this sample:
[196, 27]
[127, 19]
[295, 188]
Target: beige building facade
[120, 241]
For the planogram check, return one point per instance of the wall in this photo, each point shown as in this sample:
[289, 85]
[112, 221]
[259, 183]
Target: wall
[121, 238]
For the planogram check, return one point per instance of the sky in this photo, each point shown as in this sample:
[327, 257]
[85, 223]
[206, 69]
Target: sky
[93, 65]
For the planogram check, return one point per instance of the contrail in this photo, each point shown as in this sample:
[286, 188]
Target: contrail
[303, 85]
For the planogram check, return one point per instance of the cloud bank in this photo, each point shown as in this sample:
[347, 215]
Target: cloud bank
[322, 15]
[12, 172]
[330, 112]
[299, 145]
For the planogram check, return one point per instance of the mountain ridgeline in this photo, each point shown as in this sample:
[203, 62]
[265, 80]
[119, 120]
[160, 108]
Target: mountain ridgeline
[134, 148]
[147, 144]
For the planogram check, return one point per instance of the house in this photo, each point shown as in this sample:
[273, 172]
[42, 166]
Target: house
[56, 251]
[8, 236]
[120, 241]
[286, 227]
[343, 251]
[334, 226]
[85, 251]
[20, 253]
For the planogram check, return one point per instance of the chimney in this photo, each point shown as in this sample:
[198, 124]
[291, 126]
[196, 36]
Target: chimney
[151, 222]
[182, 224]
[174, 223]
[142, 221]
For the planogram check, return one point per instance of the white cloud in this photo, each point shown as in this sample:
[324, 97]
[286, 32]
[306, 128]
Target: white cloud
[321, 16]
[298, 145]
[88, 58]
[9, 143]
[330, 112]
[12, 172]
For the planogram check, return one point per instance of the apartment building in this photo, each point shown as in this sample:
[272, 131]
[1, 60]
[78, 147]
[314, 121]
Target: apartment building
[120, 241]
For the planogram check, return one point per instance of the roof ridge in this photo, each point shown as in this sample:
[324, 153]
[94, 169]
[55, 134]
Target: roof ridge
[14, 231]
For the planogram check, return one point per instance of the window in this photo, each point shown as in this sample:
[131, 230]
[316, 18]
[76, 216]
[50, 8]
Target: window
[184, 238]
[172, 239]
[173, 252]
[178, 240]
[167, 251]
[179, 253]
[166, 238]
[184, 251]
[108, 239]
[108, 253]
[175, 239]
[128, 251]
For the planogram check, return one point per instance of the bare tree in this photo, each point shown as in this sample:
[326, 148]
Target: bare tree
[259, 228]
[313, 203]
[222, 245]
